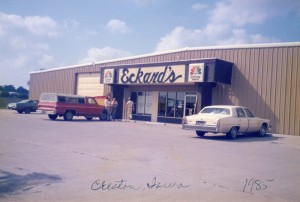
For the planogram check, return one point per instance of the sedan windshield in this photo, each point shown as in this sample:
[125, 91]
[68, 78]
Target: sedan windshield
[215, 111]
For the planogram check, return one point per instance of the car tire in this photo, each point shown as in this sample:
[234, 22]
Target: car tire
[20, 111]
[262, 131]
[68, 116]
[27, 110]
[232, 134]
[200, 133]
[103, 116]
[52, 116]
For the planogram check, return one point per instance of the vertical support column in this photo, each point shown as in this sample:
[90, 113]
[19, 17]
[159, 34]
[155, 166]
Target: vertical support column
[204, 95]
[199, 101]
[154, 110]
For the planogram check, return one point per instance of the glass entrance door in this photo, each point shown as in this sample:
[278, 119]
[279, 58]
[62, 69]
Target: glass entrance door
[190, 105]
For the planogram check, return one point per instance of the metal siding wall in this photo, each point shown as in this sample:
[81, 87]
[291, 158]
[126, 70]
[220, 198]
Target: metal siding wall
[267, 80]
[289, 97]
[283, 110]
[296, 66]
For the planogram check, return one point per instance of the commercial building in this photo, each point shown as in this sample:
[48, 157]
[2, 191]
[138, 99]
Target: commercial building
[168, 85]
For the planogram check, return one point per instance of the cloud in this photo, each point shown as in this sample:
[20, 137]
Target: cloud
[71, 24]
[180, 37]
[34, 25]
[117, 26]
[199, 6]
[227, 24]
[107, 53]
[45, 60]
[23, 46]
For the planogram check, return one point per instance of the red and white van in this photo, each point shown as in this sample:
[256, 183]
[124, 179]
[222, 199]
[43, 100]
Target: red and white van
[68, 106]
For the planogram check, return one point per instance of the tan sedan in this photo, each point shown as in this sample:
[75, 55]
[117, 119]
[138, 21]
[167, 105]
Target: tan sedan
[228, 119]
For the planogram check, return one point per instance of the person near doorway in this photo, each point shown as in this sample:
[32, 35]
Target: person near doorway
[114, 105]
[107, 105]
[129, 107]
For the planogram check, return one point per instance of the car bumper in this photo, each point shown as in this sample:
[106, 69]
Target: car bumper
[212, 129]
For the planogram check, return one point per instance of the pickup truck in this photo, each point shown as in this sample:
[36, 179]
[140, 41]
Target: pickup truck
[26, 106]
[68, 106]
[228, 119]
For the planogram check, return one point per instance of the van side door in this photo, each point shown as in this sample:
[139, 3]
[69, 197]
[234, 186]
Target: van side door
[80, 108]
[92, 107]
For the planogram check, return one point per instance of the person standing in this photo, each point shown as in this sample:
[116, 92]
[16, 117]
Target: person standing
[114, 105]
[129, 107]
[107, 105]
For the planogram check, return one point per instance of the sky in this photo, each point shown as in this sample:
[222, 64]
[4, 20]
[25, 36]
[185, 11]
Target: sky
[45, 34]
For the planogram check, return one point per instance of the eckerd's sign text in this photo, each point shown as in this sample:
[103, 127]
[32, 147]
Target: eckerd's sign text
[167, 74]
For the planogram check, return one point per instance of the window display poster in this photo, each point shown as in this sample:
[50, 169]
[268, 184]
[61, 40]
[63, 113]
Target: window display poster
[140, 103]
[148, 101]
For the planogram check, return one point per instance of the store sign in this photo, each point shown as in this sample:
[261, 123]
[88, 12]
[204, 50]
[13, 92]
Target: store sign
[151, 75]
[196, 72]
[108, 76]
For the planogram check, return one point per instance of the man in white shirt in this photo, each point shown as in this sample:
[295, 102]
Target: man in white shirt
[129, 107]
[107, 105]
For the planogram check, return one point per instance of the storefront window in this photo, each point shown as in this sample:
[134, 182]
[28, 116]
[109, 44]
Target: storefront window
[171, 101]
[148, 102]
[172, 104]
[162, 103]
[142, 103]
[179, 104]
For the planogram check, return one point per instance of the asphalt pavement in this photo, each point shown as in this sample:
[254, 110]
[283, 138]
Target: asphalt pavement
[80, 160]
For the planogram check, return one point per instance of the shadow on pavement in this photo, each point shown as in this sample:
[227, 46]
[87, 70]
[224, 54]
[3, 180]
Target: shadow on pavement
[11, 182]
[249, 137]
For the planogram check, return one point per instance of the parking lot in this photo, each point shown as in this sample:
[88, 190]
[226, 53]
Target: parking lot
[80, 160]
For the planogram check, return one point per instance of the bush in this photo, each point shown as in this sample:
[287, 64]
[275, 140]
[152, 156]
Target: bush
[4, 94]
[5, 100]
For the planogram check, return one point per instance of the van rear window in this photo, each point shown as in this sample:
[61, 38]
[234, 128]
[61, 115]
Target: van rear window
[49, 97]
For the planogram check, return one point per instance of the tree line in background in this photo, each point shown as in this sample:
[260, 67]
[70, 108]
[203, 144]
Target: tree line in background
[11, 91]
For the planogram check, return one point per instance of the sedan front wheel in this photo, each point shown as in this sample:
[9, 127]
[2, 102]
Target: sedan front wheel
[262, 131]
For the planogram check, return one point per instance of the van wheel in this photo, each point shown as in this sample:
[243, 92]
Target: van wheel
[52, 116]
[68, 116]
[103, 116]
[232, 133]
[20, 111]
[262, 131]
[200, 133]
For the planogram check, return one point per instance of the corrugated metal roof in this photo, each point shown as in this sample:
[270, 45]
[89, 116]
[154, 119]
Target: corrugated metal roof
[269, 45]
